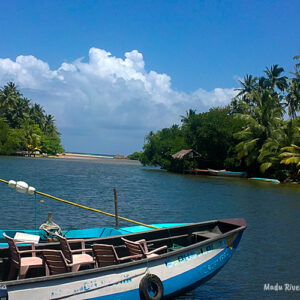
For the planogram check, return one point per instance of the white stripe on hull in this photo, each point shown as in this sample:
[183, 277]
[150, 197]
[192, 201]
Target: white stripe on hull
[117, 280]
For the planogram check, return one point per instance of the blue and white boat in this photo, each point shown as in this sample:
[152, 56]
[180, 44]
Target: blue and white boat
[195, 252]
[265, 179]
[226, 173]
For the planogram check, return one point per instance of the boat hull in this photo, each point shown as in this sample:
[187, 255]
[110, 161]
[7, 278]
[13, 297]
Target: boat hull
[227, 173]
[265, 180]
[177, 271]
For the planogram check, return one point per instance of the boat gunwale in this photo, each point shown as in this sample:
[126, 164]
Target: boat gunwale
[68, 275]
[37, 246]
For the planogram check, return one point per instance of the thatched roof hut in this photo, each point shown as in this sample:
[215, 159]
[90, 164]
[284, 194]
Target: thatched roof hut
[188, 153]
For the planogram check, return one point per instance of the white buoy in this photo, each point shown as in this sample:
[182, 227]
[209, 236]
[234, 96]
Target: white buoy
[31, 190]
[12, 184]
[21, 187]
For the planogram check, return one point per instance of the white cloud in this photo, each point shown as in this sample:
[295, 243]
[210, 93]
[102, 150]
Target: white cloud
[107, 99]
[216, 97]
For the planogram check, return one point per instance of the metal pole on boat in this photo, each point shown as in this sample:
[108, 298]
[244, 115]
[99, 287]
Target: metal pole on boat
[35, 208]
[116, 208]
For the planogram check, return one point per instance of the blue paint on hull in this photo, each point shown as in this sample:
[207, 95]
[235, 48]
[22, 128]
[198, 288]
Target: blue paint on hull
[132, 295]
[265, 179]
[188, 279]
[201, 273]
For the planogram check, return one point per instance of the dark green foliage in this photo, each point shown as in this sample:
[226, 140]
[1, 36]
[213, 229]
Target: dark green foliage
[10, 139]
[25, 126]
[252, 134]
[161, 145]
[210, 134]
[135, 156]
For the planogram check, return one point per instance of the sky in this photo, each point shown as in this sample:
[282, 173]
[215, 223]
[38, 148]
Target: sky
[112, 71]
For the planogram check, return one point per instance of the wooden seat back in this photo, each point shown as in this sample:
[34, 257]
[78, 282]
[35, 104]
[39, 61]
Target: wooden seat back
[134, 248]
[105, 255]
[55, 261]
[65, 248]
[14, 251]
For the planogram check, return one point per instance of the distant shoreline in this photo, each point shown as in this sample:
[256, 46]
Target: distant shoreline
[80, 156]
[90, 157]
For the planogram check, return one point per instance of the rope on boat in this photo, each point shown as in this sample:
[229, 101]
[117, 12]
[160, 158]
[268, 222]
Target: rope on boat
[89, 208]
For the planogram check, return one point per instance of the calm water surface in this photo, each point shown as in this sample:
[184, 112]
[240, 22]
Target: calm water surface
[269, 250]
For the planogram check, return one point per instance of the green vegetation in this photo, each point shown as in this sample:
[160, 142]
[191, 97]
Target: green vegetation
[259, 132]
[25, 126]
[135, 156]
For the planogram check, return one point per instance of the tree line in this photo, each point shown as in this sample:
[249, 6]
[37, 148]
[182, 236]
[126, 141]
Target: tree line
[258, 132]
[25, 126]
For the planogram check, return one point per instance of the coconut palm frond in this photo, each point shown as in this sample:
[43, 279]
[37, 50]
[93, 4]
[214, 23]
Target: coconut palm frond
[289, 154]
[290, 160]
[263, 167]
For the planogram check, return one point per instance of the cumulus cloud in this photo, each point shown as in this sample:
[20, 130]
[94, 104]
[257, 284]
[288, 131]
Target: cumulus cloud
[107, 104]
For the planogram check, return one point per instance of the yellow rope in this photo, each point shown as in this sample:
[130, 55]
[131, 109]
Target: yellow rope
[89, 208]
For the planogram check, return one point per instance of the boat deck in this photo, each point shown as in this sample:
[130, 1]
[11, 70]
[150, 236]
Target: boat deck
[175, 238]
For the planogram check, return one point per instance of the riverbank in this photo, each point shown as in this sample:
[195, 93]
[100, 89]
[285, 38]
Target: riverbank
[117, 159]
[80, 156]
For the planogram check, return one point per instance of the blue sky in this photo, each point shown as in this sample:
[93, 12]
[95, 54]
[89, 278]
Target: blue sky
[70, 56]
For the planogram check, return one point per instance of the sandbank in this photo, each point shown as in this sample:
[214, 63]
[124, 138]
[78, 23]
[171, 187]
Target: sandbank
[81, 156]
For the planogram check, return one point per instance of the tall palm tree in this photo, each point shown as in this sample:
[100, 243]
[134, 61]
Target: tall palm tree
[262, 83]
[240, 103]
[49, 127]
[297, 65]
[285, 135]
[37, 114]
[274, 79]
[293, 96]
[248, 85]
[188, 116]
[20, 112]
[261, 121]
[9, 96]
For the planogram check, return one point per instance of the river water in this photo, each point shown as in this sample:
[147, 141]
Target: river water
[269, 252]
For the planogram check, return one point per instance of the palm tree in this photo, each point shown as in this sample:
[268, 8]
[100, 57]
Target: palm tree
[240, 103]
[293, 96]
[20, 112]
[261, 121]
[274, 79]
[32, 134]
[9, 96]
[291, 155]
[297, 65]
[285, 135]
[262, 83]
[37, 114]
[248, 85]
[188, 116]
[49, 127]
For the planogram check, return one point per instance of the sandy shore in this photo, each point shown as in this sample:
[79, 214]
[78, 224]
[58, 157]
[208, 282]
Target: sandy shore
[81, 156]
[96, 158]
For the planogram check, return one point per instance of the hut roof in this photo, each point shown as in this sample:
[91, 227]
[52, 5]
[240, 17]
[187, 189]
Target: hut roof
[188, 152]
